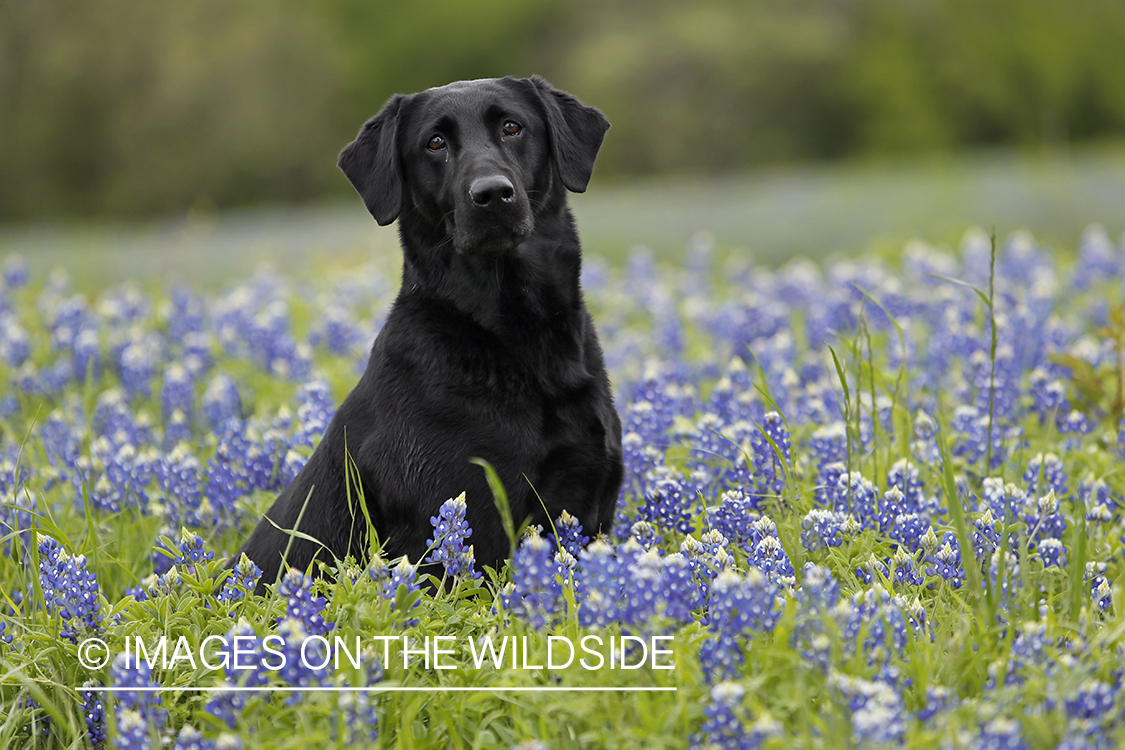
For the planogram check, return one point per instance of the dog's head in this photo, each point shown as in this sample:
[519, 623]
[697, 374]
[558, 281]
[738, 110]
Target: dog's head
[475, 159]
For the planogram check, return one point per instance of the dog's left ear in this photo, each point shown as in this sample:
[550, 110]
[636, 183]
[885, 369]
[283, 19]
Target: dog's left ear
[371, 163]
[576, 134]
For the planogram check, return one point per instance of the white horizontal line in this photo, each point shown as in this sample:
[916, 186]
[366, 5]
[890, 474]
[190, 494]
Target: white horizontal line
[374, 689]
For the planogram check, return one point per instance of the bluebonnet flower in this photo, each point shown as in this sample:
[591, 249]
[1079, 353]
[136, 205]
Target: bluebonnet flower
[1047, 520]
[136, 365]
[818, 594]
[723, 727]
[184, 314]
[908, 530]
[1085, 735]
[228, 477]
[1093, 699]
[939, 699]
[643, 534]
[314, 412]
[245, 667]
[537, 591]
[1074, 422]
[221, 401]
[986, 539]
[191, 550]
[241, 582]
[300, 603]
[867, 573]
[1001, 733]
[336, 329]
[643, 589]
[403, 576]
[971, 434]
[819, 591]
[1102, 504]
[876, 615]
[904, 477]
[739, 606]
[15, 346]
[70, 591]
[733, 516]
[177, 390]
[359, 716]
[946, 561]
[1101, 590]
[570, 533]
[668, 506]
[177, 430]
[821, 528]
[93, 711]
[829, 444]
[1054, 476]
[770, 558]
[132, 731]
[905, 570]
[858, 497]
[1048, 395]
[640, 457]
[16, 512]
[1097, 259]
[680, 592]
[827, 484]
[878, 715]
[191, 738]
[309, 671]
[140, 716]
[15, 271]
[180, 477]
[770, 448]
[706, 559]
[1052, 553]
[448, 542]
[197, 354]
[599, 579]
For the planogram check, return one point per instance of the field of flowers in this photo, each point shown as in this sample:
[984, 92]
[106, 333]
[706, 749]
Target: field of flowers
[872, 503]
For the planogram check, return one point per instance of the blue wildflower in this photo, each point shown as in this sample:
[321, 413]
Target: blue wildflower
[191, 738]
[300, 603]
[821, 529]
[570, 533]
[770, 448]
[724, 729]
[667, 506]
[878, 715]
[537, 590]
[448, 542]
[70, 591]
[93, 711]
[140, 716]
[241, 582]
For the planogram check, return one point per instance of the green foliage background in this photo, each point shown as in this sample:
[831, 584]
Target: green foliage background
[118, 107]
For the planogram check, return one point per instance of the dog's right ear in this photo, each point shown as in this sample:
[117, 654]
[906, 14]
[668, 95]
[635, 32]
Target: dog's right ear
[372, 165]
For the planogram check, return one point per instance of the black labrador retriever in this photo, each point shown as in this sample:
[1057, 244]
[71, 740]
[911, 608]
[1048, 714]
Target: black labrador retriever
[488, 350]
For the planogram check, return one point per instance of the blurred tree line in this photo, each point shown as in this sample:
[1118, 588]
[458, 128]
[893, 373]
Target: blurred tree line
[120, 107]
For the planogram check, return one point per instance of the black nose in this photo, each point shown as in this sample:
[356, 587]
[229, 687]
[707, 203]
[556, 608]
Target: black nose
[492, 190]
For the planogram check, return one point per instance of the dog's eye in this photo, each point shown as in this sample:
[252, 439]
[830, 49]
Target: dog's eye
[512, 128]
[437, 143]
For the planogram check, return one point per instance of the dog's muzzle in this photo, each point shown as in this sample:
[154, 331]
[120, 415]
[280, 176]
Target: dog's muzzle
[493, 215]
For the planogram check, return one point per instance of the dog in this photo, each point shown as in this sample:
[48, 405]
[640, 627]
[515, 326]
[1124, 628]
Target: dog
[488, 350]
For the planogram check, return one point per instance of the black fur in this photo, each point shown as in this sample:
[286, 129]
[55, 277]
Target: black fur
[488, 350]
